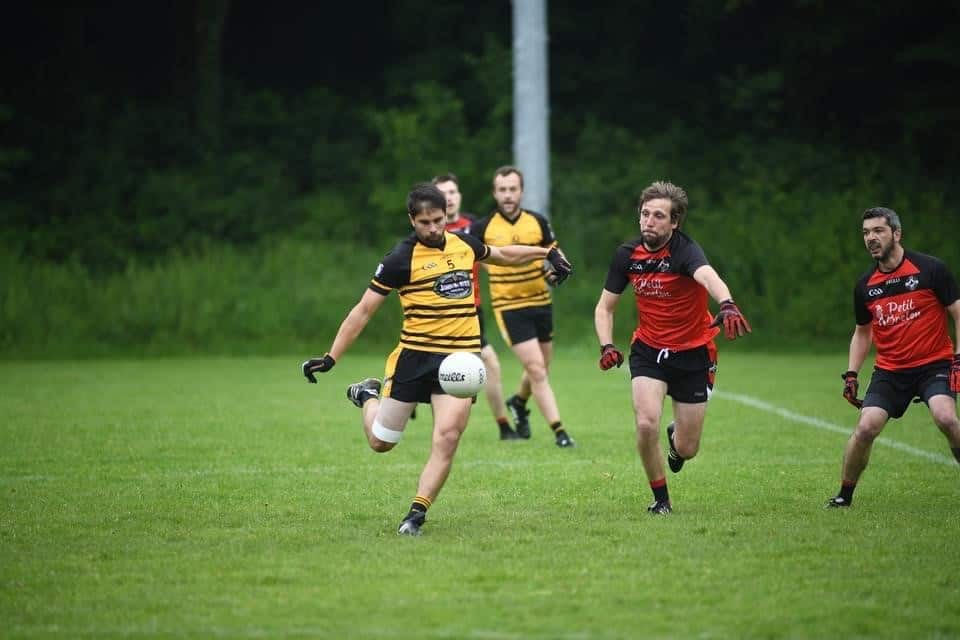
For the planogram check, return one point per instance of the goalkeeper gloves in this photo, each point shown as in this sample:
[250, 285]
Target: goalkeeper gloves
[733, 322]
[955, 374]
[561, 267]
[610, 356]
[317, 365]
[851, 387]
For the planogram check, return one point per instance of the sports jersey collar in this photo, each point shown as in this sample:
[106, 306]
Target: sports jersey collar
[514, 220]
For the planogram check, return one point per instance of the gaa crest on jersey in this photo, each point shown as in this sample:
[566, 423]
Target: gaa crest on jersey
[454, 285]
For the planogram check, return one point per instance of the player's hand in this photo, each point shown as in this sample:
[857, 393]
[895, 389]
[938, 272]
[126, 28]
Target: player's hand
[317, 365]
[561, 267]
[851, 387]
[955, 374]
[610, 356]
[733, 322]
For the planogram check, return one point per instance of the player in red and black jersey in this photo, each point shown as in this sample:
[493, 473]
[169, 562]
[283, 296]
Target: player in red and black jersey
[432, 273]
[460, 222]
[672, 351]
[899, 307]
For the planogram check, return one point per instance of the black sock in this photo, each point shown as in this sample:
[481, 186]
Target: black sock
[659, 488]
[956, 453]
[421, 504]
[846, 490]
[557, 428]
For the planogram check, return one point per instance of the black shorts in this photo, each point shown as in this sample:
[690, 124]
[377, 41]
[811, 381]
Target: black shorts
[689, 374]
[520, 325]
[483, 333]
[893, 391]
[411, 376]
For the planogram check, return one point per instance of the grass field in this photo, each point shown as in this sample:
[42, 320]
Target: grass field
[198, 498]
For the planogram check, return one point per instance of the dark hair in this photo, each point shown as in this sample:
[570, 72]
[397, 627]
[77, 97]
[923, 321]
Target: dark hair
[676, 195]
[506, 170]
[423, 197]
[887, 214]
[446, 177]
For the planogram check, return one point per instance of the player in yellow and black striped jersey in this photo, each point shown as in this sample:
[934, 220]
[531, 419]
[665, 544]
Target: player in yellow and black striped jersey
[432, 272]
[524, 285]
[521, 300]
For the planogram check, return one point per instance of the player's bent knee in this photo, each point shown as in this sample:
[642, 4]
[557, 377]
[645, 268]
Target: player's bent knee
[866, 434]
[384, 438]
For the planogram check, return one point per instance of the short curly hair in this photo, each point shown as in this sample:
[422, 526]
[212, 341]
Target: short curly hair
[669, 191]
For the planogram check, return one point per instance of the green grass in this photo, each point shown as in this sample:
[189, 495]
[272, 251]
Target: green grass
[199, 498]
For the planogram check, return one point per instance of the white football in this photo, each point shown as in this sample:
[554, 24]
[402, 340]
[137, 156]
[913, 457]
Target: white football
[462, 374]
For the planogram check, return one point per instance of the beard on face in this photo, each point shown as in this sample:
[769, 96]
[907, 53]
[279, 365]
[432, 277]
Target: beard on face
[653, 240]
[885, 250]
[434, 242]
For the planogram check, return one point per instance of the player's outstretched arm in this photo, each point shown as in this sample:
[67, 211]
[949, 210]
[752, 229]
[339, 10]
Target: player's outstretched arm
[729, 317]
[513, 254]
[351, 327]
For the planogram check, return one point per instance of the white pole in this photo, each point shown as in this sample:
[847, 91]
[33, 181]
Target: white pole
[531, 116]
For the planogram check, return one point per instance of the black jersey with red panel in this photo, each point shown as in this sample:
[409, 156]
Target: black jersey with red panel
[462, 225]
[672, 308]
[906, 310]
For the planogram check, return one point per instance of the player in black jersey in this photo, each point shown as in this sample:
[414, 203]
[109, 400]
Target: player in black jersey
[432, 272]
[899, 307]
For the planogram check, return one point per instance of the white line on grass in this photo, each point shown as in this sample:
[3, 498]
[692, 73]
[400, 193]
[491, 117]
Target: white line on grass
[756, 403]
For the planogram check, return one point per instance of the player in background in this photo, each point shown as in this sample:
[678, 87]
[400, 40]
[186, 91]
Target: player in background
[672, 351]
[901, 306]
[432, 272]
[521, 299]
[460, 221]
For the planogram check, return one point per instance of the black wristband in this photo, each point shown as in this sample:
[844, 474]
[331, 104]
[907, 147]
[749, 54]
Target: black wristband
[848, 374]
[604, 346]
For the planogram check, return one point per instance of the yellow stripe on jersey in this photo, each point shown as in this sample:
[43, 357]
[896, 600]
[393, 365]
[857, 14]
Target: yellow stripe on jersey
[439, 313]
[517, 286]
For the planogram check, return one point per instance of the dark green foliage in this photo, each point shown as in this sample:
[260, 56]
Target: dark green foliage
[122, 231]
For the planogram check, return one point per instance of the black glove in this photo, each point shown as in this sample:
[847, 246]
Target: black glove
[610, 356]
[851, 387]
[955, 373]
[317, 365]
[561, 267]
[733, 322]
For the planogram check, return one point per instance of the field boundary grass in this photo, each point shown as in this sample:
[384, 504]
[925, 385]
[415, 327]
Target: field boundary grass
[819, 423]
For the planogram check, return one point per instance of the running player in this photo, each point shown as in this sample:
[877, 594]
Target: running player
[672, 351]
